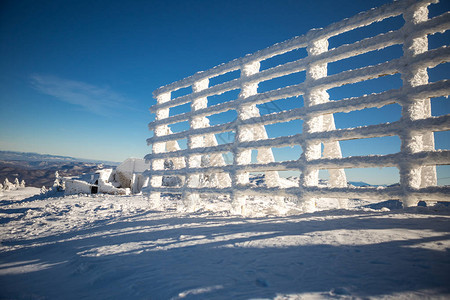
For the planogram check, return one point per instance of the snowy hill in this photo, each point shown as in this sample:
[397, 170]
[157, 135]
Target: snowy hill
[39, 170]
[36, 157]
[42, 173]
[118, 247]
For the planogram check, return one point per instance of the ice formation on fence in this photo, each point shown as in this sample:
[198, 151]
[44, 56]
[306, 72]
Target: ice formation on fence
[202, 169]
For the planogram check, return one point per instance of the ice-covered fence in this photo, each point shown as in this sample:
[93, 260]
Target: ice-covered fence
[202, 168]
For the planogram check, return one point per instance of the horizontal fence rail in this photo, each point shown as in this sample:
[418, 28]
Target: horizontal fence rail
[201, 166]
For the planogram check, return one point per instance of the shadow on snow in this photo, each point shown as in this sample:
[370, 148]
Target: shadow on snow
[214, 257]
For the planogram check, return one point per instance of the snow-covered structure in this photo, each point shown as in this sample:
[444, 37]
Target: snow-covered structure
[76, 186]
[319, 139]
[130, 174]
[127, 178]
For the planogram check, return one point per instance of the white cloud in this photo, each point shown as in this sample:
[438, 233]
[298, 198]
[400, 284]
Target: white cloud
[98, 100]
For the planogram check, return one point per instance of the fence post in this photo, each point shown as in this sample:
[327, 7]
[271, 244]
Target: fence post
[195, 160]
[243, 133]
[313, 150]
[413, 176]
[251, 133]
[158, 164]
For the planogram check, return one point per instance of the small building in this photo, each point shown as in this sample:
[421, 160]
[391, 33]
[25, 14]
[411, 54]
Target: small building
[131, 175]
[127, 178]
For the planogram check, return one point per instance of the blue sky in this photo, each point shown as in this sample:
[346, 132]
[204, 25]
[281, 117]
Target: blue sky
[76, 77]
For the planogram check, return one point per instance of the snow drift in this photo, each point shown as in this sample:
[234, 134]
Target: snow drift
[116, 247]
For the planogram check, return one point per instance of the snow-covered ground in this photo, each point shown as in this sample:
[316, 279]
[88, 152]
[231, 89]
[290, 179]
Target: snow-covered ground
[117, 247]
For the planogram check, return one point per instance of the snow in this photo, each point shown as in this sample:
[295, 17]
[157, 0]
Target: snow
[117, 247]
[74, 186]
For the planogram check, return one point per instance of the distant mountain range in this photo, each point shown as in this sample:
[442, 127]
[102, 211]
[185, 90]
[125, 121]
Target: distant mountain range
[39, 169]
[29, 156]
[258, 179]
[362, 183]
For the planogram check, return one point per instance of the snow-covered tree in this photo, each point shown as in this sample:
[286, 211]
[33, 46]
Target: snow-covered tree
[16, 183]
[58, 184]
[1, 186]
[44, 189]
[22, 183]
[7, 185]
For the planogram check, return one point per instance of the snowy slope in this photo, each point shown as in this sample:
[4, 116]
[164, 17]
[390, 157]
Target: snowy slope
[115, 247]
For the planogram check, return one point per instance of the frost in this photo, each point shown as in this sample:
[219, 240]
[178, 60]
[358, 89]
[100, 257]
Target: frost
[202, 163]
